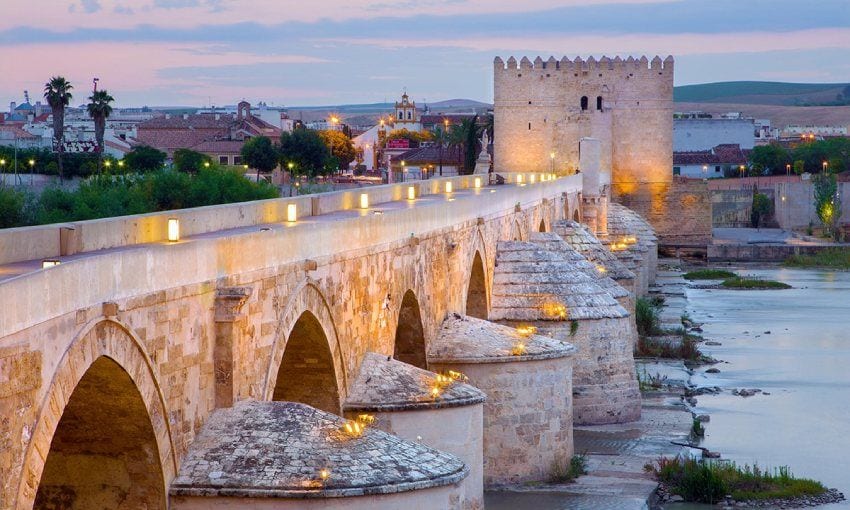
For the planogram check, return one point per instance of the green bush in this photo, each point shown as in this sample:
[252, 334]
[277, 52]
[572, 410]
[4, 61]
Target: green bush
[833, 258]
[705, 481]
[11, 208]
[564, 471]
[647, 317]
[743, 282]
[105, 196]
[708, 274]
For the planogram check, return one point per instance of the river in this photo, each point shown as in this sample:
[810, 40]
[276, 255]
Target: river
[803, 363]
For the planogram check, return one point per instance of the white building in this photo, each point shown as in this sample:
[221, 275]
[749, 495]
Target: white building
[703, 134]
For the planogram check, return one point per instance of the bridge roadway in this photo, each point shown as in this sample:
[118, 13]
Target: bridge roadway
[129, 348]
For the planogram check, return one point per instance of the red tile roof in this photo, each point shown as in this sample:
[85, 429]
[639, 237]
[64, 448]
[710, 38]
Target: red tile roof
[452, 156]
[724, 154]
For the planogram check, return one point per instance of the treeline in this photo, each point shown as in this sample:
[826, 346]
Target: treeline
[775, 159]
[108, 195]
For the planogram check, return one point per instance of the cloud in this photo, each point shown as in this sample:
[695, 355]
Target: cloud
[271, 12]
[612, 44]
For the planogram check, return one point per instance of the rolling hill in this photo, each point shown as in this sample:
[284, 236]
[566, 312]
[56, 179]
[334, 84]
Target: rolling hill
[765, 93]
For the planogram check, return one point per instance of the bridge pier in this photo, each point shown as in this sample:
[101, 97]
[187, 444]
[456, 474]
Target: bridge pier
[230, 322]
[401, 398]
[528, 422]
[539, 287]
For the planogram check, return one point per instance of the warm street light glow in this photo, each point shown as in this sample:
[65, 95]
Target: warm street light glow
[121, 164]
[290, 165]
[49, 263]
[291, 213]
[334, 119]
[411, 193]
[519, 178]
[526, 331]
[448, 187]
[107, 163]
[207, 164]
[825, 164]
[364, 200]
[532, 178]
[477, 182]
[552, 155]
[32, 162]
[324, 475]
[518, 349]
[173, 230]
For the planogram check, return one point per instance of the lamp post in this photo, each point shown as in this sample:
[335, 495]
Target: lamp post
[32, 172]
[3, 170]
[552, 161]
[403, 171]
[788, 169]
[704, 172]
[742, 171]
[825, 165]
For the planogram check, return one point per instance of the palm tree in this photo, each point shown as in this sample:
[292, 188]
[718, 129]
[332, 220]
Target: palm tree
[99, 110]
[57, 92]
[465, 135]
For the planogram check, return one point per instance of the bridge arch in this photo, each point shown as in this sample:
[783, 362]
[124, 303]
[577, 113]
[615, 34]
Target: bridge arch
[542, 226]
[104, 426]
[517, 233]
[477, 291]
[409, 333]
[306, 363]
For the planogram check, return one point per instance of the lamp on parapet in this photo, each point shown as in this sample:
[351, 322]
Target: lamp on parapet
[788, 169]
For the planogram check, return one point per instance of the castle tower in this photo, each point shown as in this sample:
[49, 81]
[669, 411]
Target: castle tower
[543, 108]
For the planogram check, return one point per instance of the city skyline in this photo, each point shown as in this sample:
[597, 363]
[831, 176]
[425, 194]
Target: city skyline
[200, 52]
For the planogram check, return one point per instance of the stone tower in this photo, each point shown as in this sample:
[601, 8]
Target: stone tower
[543, 109]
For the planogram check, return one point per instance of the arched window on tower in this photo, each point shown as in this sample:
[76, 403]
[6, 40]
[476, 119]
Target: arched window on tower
[599, 103]
[409, 115]
[584, 103]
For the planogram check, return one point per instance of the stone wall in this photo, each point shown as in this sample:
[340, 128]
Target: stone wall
[527, 418]
[679, 211]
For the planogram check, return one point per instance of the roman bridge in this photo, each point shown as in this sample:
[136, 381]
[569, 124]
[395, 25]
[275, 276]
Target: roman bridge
[113, 362]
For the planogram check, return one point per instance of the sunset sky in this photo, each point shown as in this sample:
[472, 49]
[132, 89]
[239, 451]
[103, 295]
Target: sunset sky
[193, 52]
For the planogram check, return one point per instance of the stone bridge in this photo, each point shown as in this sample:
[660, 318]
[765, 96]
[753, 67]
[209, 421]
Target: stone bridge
[146, 373]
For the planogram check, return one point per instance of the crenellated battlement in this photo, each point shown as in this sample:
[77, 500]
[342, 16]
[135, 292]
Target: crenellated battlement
[604, 63]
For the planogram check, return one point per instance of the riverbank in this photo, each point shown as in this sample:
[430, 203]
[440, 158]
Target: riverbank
[774, 399]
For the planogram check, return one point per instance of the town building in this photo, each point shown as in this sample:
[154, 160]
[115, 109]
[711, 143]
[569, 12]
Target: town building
[710, 164]
[219, 136]
[702, 134]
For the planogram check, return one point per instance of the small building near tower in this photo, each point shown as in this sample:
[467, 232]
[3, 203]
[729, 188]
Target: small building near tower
[406, 115]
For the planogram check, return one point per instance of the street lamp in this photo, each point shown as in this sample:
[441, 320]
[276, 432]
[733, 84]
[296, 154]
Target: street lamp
[552, 159]
[206, 164]
[107, 163]
[3, 170]
[788, 169]
[32, 171]
[403, 170]
[742, 171]
[705, 172]
[825, 164]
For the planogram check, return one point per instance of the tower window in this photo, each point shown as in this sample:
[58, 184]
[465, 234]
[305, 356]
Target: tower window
[584, 103]
[599, 103]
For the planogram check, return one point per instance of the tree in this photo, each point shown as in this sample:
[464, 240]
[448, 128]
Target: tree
[827, 201]
[57, 92]
[465, 135]
[99, 109]
[303, 152]
[189, 161]
[413, 136]
[144, 158]
[799, 167]
[340, 147]
[259, 153]
[771, 158]
[761, 207]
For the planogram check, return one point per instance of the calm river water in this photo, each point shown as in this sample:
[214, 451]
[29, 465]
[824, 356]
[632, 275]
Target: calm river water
[804, 363]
